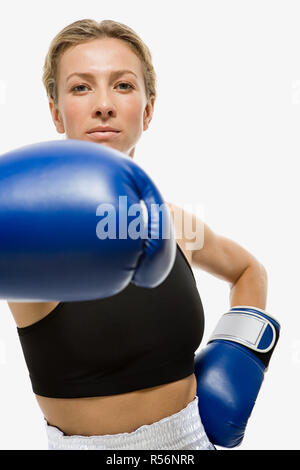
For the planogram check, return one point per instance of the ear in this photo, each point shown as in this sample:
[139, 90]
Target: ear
[56, 117]
[148, 113]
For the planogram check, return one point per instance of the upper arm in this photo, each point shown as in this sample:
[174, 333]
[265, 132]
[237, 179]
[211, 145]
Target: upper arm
[222, 257]
[209, 251]
[26, 313]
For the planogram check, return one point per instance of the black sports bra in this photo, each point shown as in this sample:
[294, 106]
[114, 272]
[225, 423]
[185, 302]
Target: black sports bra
[136, 339]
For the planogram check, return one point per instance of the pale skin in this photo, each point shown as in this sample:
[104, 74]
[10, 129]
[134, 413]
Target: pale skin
[104, 99]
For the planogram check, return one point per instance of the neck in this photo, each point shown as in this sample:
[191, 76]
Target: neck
[131, 153]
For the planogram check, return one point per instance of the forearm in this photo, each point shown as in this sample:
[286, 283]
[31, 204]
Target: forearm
[250, 288]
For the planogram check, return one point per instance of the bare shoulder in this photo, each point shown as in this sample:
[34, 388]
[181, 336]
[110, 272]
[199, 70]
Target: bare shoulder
[181, 221]
[26, 313]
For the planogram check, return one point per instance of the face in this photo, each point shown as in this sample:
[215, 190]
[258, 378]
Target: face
[104, 97]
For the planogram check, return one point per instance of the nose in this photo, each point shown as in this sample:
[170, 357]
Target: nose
[104, 107]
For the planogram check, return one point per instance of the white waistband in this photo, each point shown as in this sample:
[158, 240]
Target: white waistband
[181, 431]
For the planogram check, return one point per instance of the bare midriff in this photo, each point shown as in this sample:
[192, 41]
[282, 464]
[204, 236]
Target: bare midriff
[120, 413]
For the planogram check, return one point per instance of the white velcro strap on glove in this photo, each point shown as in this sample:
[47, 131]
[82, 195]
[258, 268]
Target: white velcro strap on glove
[246, 328]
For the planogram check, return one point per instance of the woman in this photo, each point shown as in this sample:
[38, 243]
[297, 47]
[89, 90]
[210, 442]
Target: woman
[100, 83]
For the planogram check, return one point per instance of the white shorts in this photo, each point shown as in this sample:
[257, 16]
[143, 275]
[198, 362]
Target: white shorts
[180, 431]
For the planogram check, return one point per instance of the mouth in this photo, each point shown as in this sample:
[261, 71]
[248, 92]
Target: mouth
[103, 135]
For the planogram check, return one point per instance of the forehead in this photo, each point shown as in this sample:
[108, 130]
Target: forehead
[99, 55]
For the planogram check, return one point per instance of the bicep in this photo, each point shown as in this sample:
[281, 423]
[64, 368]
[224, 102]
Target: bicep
[218, 255]
[222, 257]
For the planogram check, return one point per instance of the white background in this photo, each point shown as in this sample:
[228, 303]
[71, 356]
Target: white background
[225, 136]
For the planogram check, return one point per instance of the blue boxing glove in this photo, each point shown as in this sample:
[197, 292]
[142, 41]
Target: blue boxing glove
[67, 235]
[230, 370]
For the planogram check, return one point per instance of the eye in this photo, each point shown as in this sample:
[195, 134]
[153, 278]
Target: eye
[126, 84]
[78, 86]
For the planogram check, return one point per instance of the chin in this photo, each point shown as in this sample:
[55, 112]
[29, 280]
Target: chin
[106, 144]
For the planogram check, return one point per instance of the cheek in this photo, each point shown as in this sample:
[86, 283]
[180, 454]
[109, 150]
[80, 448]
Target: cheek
[73, 110]
[133, 111]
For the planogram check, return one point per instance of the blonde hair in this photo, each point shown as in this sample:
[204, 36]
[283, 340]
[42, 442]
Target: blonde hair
[86, 30]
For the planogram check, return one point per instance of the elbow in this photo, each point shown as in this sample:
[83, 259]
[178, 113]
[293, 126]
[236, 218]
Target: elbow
[254, 270]
[264, 274]
[260, 273]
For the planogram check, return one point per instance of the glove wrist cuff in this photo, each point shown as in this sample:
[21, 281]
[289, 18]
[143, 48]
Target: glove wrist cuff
[259, 311]
[252, 328]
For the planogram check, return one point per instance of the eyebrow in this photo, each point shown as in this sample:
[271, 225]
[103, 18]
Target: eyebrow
[114, 74]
